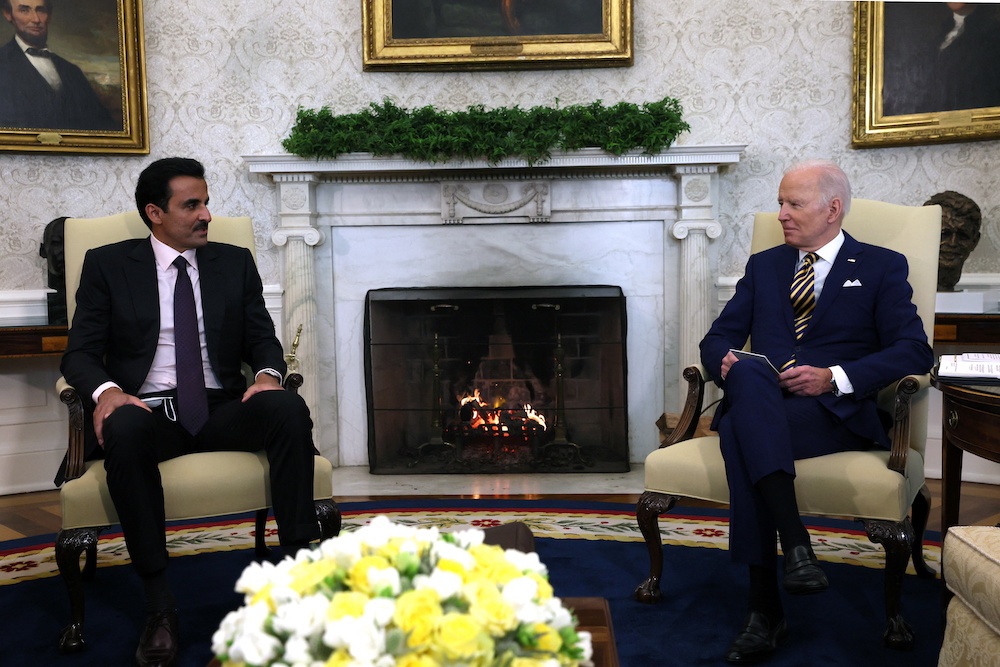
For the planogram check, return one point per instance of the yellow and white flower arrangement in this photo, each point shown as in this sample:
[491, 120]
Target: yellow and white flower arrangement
[387, 595]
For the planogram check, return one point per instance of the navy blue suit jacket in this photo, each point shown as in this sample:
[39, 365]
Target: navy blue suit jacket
[870, 329]
[28, 101]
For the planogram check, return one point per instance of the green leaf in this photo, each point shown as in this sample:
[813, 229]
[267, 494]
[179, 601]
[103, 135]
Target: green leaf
[431, 135]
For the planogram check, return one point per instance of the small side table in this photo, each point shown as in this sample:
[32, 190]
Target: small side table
[970, 422]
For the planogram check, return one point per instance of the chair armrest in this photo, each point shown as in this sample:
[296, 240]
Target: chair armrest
[75, 442]
[293, 381]
[696, 377]
[903, 393]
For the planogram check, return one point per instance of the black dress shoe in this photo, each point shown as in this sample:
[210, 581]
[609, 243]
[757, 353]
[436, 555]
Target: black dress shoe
[802, 573]
[757, 640]
[158, 642]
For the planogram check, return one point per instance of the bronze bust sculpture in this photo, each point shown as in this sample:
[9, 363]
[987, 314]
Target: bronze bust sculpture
[961, 220]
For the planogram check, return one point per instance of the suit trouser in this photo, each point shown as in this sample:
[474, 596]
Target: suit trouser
[764, 430]
[135, 441]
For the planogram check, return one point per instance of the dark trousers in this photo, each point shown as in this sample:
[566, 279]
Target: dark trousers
[764, 430]
[135, 441]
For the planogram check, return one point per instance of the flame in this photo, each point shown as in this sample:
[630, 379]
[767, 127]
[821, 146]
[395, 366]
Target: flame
[534, 416]
[484, 415]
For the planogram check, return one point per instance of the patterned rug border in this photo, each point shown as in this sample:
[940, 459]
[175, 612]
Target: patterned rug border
[688, 528]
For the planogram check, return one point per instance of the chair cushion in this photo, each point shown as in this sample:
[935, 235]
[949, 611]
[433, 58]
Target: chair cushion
[967, 640]
[194, 486]
[971, 559]
[855, 484]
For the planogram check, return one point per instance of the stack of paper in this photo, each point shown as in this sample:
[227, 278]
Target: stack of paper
[970, 366]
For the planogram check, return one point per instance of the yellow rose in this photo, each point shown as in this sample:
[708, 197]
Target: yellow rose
[308, 574]
[416, 660]
[460, 638]
[417, 613]
[548, 639]
[488, 607]
[346, 603]
[544, 587]
[492, 564]
[454, 566]
[340, 658]
[526, 662]
[264, 595]
[357, 577]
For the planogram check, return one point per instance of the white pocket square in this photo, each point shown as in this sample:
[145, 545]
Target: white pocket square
[853, 283]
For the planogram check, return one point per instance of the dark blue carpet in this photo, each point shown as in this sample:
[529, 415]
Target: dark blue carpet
[704, 598]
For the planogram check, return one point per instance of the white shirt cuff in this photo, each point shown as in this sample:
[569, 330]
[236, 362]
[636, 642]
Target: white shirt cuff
[844, 385]
[102, 388]
[270, 371]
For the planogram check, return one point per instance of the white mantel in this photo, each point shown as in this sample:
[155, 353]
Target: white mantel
[360, 222]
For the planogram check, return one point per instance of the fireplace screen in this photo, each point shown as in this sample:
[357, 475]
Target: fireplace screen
[527, 379]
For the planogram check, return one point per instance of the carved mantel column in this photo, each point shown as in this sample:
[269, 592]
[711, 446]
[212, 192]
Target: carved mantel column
[695, 225]
[298, 234]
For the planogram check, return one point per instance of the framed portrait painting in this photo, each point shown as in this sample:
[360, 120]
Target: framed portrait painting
[496, 34]
[925, 72]
[72, 77]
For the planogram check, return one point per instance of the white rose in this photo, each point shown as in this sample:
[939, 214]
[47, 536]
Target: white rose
[384, 578]
[304, 618]
[344, 550]
[520, 592]
[362, 638]
[469, 537]
[254, 577]
[380, 611]
[297, 651]
[444, 550]
[526, 562]
[586, 643]
[444, 583]
[556, 615]
[254, 648]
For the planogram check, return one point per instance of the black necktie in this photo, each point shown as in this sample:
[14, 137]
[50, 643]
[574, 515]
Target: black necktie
[41, 53]
[192, 399]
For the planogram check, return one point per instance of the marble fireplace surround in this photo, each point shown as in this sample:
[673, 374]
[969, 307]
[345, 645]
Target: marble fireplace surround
[358, 223]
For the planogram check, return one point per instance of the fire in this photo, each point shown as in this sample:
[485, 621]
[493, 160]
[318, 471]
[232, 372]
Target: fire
[484, 414]
[534, 416]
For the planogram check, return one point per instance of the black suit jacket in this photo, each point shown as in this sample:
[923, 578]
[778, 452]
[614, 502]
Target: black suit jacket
[117, 320]
[28, 101]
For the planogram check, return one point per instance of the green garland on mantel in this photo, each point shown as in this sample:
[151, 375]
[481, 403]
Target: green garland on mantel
[431, 135]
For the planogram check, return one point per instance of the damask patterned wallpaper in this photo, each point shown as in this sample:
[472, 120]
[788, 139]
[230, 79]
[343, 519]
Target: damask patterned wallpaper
[225, 79]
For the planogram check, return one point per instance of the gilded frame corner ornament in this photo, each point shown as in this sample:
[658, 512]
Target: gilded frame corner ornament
[873, 125]
[424, 46]
[128, 128]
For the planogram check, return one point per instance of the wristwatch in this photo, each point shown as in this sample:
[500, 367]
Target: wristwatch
[833, 383]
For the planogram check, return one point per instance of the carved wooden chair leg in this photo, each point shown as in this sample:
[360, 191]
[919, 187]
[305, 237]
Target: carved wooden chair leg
[897, 540]
[328, 515]
[260, 548]
[69, 545]
[647, 513]
[921, 511]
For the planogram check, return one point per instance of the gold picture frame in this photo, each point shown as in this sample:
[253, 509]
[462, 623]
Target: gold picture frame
[98, 56]
[504, 34]
[903, 95]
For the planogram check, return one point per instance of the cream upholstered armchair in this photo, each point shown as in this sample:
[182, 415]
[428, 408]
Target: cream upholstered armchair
[195, 485]
[878, 488]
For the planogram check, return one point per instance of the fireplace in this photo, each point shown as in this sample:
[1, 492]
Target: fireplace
[522, 379]
[360, 223]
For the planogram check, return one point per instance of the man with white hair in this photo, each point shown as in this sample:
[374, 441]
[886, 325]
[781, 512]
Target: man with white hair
[836, 319]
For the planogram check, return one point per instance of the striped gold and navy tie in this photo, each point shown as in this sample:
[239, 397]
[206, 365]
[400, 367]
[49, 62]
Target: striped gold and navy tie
[803, 298]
